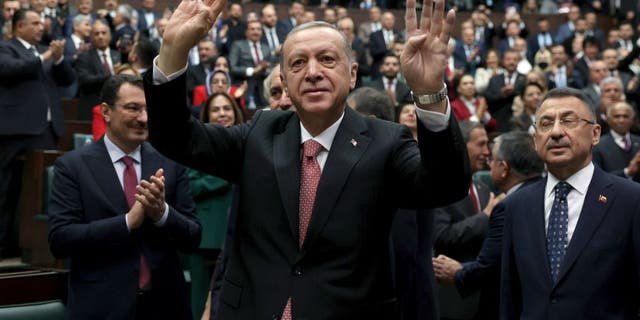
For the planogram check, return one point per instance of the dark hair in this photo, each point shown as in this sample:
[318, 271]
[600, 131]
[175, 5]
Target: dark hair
[204, 113]
[518, 150]
[567, 92]
[530, 83]
[111, 87]
[590, 40]
[146, 51]
[19, 16]
[372, 102]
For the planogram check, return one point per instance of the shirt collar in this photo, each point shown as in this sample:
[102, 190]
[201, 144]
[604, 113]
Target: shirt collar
[616, 136]
[115, 153]
[325, 138]
[26, 44]
[579, 181]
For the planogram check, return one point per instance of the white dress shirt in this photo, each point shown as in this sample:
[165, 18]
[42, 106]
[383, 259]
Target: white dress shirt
[579, 182]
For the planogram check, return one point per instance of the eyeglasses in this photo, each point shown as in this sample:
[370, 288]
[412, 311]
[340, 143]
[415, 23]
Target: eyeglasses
[545, 125]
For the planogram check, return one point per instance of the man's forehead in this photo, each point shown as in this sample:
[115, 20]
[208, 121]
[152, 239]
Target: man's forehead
[562, 105]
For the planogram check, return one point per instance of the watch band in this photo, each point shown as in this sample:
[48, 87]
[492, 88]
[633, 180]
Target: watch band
[430, 98]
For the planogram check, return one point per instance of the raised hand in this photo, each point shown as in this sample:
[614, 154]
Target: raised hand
[189, 23]
[424, 58]
[151, 196]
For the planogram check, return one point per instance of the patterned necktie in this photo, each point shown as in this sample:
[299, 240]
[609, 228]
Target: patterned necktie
[309, 178]
[257, 53]
[557, 229]
[130, 181]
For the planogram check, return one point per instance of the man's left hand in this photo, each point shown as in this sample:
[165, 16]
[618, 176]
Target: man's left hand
[151, 196]
[445, 268]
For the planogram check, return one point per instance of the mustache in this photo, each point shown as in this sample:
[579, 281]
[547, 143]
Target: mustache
[557, 143]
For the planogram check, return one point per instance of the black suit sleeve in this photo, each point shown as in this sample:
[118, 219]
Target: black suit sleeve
[88, 78]
[15, 69]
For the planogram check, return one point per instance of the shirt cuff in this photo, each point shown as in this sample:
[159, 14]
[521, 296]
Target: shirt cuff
[434, 121]
[159, 77]
[165, 215]
[249, 72]
[126, 220]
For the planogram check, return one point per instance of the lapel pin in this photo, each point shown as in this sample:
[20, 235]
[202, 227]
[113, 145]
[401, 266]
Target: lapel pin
[354, 143]
[602, 199]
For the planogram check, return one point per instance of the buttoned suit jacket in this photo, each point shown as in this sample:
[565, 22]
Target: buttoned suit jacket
[458, 233]
[91, 77]
[461, 60]
[342, 270]
[499, 105]
[598, 276]
[87, 225]
[27, 88]
[240, 59]
[613, 159]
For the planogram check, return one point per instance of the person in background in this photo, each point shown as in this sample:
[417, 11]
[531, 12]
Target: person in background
[531, 97]
[218, 81]
[212, 197]
[275, 92]
[98, 126]
[491, 68]
[470, 107]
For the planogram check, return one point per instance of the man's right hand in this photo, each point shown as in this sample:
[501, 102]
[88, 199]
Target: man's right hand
[135, 216]
[190, 22]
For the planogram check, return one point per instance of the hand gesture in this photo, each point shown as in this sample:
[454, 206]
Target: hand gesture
[425, 55]
[190, 22]
[445, 268]
[241, 90]
[151, 196]
[493, 201]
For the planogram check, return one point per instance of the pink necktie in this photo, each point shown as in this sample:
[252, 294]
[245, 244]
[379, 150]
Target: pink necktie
[130, 180]
[309, 178]
[105, 63]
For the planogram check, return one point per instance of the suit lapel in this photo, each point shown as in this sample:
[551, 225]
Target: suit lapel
[347, 148]
[286, 159]
[593, 211]
[104, 174]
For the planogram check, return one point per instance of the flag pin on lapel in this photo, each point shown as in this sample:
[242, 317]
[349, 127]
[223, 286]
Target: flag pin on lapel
[602, 199]
[354, 143]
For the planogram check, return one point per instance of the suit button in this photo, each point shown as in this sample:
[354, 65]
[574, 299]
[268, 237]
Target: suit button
[297, 271]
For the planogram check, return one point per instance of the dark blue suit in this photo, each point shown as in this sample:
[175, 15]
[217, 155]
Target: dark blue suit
[87, 225]
[598, 277]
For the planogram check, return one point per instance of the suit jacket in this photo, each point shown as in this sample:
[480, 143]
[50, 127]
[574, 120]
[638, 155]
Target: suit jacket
[583, 67]
[598, 275]
[483, 273]
[613, 159]
[142, 22]
[240, 59]
[573, 78]
[499, 105]
[378, 49]
[87, 225]
[461, 60]
[403, 93]
[533, 46]
[281, 33]
[564, 32]
[458, 233]
[91, 77]
[343, 269]
[21, 75]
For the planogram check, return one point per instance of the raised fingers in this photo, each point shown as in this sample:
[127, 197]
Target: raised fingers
[425, 21]
[438, 16]
[411, 22]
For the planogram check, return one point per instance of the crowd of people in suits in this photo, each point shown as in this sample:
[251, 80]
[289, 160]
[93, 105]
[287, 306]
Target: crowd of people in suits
[497, 76]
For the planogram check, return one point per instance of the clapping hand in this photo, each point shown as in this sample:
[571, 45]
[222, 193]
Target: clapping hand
[151, 196]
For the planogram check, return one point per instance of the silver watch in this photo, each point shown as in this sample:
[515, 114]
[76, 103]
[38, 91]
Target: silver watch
[430, 98]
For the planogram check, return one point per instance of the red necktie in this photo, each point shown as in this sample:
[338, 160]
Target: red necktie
[309, 178]
[105, 63]
[130, 180]
[474, 198]
[257, 52]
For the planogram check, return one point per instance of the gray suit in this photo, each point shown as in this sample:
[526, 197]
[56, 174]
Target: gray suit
[241, 59]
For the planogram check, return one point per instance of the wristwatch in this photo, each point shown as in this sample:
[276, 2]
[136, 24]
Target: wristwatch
[430, 98]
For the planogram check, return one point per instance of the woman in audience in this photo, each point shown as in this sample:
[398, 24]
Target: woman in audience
[534, 76]
[212, 196]
[407, 115]
[468, 106]
[219, 81]
[531, 97]
[492, 67]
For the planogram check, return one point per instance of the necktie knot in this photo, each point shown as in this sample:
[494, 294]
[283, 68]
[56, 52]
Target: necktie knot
[562, 190]
[311, 148]
[128, 161]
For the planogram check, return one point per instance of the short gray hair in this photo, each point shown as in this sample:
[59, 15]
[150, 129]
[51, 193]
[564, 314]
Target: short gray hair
[80, 18]
[266, 84]
[320, 24]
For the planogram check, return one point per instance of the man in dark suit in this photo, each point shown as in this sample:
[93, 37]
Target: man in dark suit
[514, 165]
[197, 74]
[30, 110]
[591, 50]
[381, 43]
[597, 72]
[503, 88]
[571, 240]
[123, 245]
[469, 53]
[567, 29]
[543, 39]
[147, 16]
[251, 61]
[273, 30]
[94, 67]
[332, 263]
[390, 82]
[562, 72]
[459, 228]
[346, 26]
[618, 151]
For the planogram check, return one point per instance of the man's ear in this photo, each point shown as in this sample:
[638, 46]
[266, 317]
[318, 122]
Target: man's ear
[105, 110]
